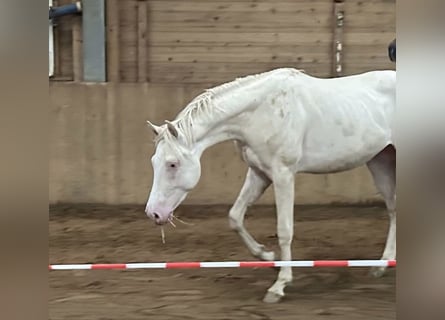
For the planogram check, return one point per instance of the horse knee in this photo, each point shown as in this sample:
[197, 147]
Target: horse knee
[285, 236]
[286, 277]
[235, 222]
[391, 204]
[234, 225]
[392, 215]
[284, 241]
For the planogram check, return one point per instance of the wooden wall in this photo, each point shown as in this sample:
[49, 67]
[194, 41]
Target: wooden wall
[100, 149]
[213, 41]
[63, 44]
[100, 145]
[370, 25]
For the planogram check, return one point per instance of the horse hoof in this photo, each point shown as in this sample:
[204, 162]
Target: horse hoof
[377, 272]
[267, 256]
[272, 297]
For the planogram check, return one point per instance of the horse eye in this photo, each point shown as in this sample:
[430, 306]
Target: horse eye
[172, 165]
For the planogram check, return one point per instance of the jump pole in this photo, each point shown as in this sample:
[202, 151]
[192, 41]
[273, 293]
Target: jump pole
[227, 264]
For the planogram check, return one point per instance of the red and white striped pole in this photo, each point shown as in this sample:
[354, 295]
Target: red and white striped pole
[227, 264]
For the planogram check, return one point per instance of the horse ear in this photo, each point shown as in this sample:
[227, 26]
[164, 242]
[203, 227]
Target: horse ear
[172, 129]
[155, 128]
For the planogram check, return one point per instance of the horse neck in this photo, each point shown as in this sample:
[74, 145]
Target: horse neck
[232, 104]
[226, 122]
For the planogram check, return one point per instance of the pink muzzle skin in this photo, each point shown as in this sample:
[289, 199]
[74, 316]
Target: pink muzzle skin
[159, 215]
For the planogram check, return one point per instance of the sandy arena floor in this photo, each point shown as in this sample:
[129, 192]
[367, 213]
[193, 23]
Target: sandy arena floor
[92, 234]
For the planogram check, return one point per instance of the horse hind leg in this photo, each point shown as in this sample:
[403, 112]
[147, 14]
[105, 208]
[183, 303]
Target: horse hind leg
[383, 171]
[254, 186]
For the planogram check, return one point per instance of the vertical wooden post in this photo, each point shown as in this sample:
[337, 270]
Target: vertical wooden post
[51, 44]
[57, 55]
[113, 57]
[77, 49]
[142, 41]
[337, 60]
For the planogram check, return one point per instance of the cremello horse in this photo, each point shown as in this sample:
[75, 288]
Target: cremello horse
[284, 122]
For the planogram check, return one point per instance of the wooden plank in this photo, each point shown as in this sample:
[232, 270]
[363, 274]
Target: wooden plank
[186, 73]
[371, 59]
[236, 54]
[255, 1]
[275, 7]
[280, 26]
[113, 44]
[62, 79]
[243, 39]
[367, 38]
[366, 29]
[218, 18]
[223, 71]
[245, 28]
[378, 50]
[142, 41]
[247, 39]
[369, 20]
[77, 49]
[246, 56]
[65, 47]
[358, 6]
[301, 6]
[236, 67]
[257, 49]
[221, 17]
[128, 37]
[361, 68]
[211, 79]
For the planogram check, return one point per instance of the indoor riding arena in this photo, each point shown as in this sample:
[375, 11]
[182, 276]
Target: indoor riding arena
[114, 64]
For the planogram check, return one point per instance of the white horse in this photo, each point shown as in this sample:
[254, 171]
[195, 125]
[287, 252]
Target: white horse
[284, 122]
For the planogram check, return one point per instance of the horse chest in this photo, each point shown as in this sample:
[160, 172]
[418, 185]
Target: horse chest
[253, 159]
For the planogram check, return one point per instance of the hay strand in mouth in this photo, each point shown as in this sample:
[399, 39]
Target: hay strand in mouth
[183, 222]
[171, 222]
[162, 235]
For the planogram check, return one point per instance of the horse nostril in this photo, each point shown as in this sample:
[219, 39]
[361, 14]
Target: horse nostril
[156, 215]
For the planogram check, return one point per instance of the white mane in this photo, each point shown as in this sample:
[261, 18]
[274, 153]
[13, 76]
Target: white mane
[203, 107]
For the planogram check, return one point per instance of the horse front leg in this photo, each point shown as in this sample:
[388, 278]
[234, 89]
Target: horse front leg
[284, 198]
[254, 186]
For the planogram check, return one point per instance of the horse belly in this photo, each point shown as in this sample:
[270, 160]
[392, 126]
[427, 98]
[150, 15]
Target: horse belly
[338, 153]
[333, 165]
